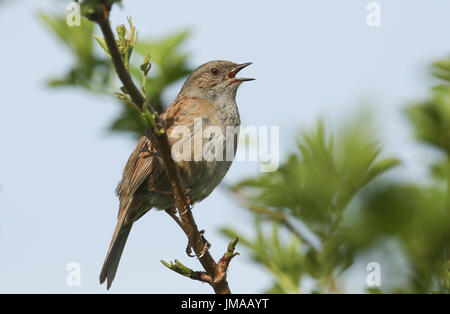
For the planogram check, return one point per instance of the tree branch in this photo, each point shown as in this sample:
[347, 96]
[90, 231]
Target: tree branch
[221, 273]
[214, 271]
[187, 272]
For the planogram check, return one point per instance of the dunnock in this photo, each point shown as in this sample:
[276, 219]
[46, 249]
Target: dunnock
[208, 94]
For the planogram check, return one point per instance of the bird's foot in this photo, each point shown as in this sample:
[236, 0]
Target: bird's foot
[205, 249]
[189, 249]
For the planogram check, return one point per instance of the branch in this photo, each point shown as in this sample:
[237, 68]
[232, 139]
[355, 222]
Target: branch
[228, 256]
[221, 273]
[218, 279]
[187, 272]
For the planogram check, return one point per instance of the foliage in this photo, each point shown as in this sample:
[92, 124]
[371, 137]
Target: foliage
[431, 118]
[326, 191]
[93, 72]
[89, 71]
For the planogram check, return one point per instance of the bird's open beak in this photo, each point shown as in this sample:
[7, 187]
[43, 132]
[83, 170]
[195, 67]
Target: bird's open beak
[236, 69]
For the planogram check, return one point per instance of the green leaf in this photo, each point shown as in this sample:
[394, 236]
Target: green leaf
[101, 41]
[146, 65]
[380, 167]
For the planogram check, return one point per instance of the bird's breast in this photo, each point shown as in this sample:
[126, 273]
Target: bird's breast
[218, 151]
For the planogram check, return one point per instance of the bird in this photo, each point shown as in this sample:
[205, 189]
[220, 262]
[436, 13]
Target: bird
[208, 95]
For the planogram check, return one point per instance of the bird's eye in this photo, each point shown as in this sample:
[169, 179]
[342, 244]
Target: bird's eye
[214, 71]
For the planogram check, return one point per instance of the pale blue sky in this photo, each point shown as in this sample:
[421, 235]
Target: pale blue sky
[59, 167]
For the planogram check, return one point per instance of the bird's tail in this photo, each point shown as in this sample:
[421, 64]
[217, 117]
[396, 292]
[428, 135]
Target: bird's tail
[116, 247]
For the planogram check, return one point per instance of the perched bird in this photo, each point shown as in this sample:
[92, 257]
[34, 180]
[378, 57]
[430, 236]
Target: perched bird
[209, 94]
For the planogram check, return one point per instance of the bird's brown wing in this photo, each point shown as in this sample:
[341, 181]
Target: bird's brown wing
[145, 162]
[183, 113]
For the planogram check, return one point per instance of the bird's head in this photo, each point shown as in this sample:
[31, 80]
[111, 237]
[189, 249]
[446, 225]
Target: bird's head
[214, 80]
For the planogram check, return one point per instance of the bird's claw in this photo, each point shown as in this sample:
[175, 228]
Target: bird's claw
[189, 249]
[204, 250]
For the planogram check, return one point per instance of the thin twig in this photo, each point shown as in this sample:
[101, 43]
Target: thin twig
[183, 270]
